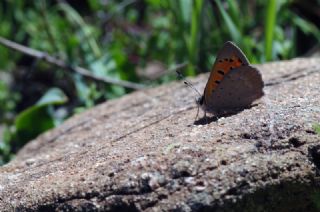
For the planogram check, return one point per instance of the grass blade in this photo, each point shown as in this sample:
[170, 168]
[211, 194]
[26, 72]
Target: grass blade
[195, 31]
[270, 27]
[234, 32]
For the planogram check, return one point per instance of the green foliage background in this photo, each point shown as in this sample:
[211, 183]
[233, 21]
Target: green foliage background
[115, 38]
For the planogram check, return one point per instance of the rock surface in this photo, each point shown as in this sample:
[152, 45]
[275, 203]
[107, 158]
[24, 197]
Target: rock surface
[144, 152]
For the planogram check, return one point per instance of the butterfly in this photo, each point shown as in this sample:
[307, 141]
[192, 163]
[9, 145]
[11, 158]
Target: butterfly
[233, 83]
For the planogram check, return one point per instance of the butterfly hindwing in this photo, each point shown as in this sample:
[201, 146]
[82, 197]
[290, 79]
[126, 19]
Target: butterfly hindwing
[238, 89]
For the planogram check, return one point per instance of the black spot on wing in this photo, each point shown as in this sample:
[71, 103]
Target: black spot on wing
[221, 72]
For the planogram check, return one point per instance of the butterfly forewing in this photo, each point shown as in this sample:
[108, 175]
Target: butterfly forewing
[228, 58]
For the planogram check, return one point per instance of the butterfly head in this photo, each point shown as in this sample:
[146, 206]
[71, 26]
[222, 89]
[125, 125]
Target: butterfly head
[200, 101]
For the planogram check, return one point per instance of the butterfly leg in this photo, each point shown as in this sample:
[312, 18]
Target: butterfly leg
[206, 117]
[197, 113]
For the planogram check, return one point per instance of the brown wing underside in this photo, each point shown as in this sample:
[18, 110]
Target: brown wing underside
[238, 89]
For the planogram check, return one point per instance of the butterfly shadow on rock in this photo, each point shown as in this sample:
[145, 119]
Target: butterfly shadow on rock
[207, 120]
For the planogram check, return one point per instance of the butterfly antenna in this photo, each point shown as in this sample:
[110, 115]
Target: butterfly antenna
[190, 85]
[187, 83]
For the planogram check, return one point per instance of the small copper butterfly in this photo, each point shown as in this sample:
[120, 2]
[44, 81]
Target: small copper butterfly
[233, 83]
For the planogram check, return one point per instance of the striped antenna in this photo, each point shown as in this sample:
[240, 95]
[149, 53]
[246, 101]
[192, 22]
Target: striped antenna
[187, 83]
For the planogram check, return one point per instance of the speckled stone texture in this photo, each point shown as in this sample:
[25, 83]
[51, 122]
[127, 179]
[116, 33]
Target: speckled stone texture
[145, 152]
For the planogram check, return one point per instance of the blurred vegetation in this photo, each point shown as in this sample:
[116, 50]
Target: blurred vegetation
[316, 128]
[133, 40]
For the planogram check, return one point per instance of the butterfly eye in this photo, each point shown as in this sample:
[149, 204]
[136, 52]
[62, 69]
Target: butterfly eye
[200, 100]
[231, 60]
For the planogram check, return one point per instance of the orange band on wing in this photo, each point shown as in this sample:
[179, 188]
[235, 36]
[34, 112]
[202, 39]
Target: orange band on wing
[221, 68]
